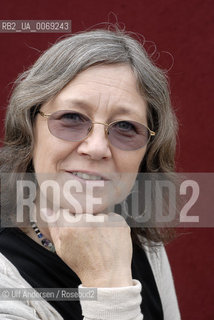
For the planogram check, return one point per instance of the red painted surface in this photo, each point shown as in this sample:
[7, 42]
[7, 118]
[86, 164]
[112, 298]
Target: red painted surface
[185, 30]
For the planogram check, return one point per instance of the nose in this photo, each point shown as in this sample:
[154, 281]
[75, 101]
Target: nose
[96, 145]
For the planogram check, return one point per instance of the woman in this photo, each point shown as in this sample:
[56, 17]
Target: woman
[92, 110]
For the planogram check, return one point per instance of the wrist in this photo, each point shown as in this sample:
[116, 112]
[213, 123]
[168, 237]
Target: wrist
[109, 281]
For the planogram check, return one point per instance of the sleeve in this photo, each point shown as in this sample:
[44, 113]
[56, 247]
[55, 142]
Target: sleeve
[113, 303]
[163, 276]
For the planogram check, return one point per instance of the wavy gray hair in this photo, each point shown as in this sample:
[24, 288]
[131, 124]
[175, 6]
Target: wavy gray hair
[57, 66]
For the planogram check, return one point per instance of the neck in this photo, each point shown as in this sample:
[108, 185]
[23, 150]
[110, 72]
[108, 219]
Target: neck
[41, 224]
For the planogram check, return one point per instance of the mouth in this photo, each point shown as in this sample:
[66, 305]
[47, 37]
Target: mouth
[88, 176]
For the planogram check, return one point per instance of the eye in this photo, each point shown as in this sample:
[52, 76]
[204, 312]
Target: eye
[73, 117]
[125, 126]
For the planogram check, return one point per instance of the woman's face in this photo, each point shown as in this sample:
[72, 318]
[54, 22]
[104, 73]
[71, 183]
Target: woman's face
[105, 94]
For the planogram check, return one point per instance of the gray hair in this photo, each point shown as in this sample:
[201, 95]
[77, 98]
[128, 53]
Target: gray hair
[58, 65]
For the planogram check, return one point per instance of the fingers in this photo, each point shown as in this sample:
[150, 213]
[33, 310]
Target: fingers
[64, 219]
[82, 239]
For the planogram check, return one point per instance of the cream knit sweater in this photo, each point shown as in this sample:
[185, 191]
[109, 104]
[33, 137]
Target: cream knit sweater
[112, 303]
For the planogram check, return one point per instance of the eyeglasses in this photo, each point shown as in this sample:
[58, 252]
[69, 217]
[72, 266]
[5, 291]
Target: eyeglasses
[74, 126]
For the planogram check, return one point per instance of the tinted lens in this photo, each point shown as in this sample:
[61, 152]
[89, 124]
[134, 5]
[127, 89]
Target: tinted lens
[69, 125]
[128, 135]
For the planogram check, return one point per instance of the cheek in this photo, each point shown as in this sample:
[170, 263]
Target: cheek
[50, 153]
[128, 168]
[129, 162]
[45, 155]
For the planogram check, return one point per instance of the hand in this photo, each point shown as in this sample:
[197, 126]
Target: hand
[99, 253]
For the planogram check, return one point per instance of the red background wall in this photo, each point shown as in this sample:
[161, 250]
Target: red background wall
[185, 30]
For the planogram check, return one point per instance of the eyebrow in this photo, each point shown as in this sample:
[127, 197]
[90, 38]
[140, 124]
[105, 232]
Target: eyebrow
[84, 106]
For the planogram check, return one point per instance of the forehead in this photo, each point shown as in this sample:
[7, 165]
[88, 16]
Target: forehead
[102, 87]
[110, 77]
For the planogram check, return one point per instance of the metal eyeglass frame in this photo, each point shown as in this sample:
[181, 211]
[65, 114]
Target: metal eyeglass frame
[107, 125]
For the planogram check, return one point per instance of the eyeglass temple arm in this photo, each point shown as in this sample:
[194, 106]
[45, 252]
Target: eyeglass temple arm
[43, 114]
[151, 132]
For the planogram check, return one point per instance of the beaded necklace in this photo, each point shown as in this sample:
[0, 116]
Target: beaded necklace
[45, 242]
